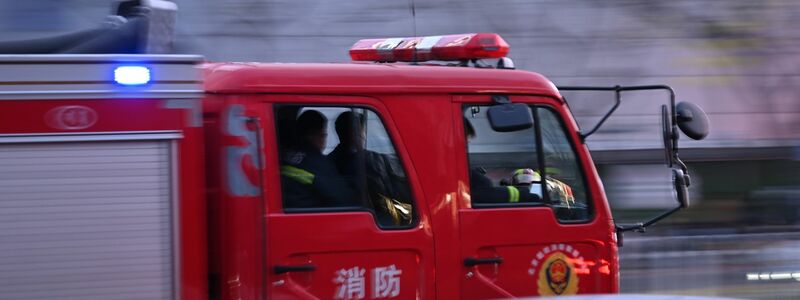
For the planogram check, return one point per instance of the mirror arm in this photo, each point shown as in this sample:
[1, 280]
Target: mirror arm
[686, 179]
[662, 216]
[640, 227]
[681, 164]
[618, 90]
[617, 99]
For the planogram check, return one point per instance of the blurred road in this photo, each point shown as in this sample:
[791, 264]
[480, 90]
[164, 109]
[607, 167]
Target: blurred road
[713, 265]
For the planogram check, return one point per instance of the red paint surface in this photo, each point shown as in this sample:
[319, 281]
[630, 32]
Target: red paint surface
[23, 116]
[420, 106]
[239, 240]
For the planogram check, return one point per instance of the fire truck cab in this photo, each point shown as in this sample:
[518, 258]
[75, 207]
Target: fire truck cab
[415, 226]
[435, 156]
[419, 171]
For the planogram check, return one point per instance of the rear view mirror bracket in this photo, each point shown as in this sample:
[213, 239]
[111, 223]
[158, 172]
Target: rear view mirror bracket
[617, 101]
[500, 99]
[687, 117]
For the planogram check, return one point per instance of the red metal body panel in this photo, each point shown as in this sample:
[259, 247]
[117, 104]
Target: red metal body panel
[518, 235]
[192, 222]
[236, 237]
[25, 116]
[369, 79]
[236, 223]
[427, 128]
[417, 105]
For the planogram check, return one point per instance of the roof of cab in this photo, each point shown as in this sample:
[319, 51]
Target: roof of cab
[369, 78]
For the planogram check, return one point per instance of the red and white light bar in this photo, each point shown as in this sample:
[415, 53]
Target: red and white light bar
[442, 47]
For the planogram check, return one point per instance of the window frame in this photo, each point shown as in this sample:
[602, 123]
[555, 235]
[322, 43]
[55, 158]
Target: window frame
[541, 159]
[590, 207]
[415, 217]
[484, 205]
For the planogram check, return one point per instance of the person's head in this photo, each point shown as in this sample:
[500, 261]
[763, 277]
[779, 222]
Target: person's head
[312, 129]
[469, 131]
[350, 129]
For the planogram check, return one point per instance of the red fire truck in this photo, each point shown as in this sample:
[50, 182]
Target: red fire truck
[160, 176]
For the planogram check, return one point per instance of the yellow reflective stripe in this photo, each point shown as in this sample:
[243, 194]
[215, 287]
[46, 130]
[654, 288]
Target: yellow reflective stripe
[515, 197]
[513, 194]
[297, 174]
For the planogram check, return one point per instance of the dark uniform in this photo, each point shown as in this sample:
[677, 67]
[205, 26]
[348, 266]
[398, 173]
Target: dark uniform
[483, 191]
[349, 162]
[309, 179]
[380, 181]
[481, 187]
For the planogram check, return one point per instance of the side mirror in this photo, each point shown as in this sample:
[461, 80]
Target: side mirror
[666, 134]
[692, 120]
[505, 116]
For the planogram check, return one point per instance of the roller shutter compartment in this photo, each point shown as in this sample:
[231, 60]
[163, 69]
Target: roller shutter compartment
[86, 220]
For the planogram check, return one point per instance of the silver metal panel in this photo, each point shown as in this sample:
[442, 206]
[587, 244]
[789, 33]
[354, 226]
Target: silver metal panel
[176, 224]
[90, 136]
[194, 109]
[99, 58]
[94, 72]
[98, 94]
[26, 77]
[87, 220]
[49, 87]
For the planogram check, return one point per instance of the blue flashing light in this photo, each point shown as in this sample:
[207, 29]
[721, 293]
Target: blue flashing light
[132, 75]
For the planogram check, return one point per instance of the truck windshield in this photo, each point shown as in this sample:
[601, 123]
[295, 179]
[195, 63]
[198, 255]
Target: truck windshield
[509, 169]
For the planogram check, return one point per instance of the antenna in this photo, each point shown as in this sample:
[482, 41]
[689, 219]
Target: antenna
[414, 26]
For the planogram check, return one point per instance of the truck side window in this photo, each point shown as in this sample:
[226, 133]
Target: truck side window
[503, 166]
[565, 181]
[341, 159]
[511, 168]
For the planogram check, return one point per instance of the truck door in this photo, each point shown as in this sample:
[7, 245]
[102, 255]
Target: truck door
[343, 219]
[532, 220]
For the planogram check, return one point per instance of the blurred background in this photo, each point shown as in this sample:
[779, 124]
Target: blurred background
[739, 60]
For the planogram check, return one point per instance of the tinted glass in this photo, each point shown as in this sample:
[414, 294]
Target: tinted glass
[565, 181]
[341, 158]
[503, 166]
[510, 168]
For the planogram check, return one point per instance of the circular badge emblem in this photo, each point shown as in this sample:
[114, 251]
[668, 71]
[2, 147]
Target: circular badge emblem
[71, 117]
[557, 276]
[554, 268]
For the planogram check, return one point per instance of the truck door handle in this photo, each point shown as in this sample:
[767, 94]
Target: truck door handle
[469, 262]
[280, 269]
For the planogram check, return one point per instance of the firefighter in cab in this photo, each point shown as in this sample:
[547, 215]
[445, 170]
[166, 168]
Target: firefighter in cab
[309, 179]
[560, 192]
[482, 188]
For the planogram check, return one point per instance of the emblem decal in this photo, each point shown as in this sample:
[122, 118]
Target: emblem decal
[555, 270]
[71, 117]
